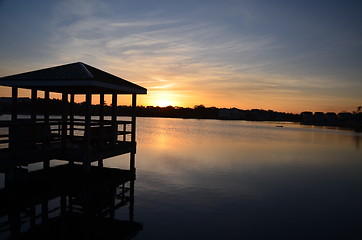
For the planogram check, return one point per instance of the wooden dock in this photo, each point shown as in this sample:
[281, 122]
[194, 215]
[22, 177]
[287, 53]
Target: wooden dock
[85, 140]
[87, 196]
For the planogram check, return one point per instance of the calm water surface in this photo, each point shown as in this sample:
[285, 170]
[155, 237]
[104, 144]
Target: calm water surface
[210, 179]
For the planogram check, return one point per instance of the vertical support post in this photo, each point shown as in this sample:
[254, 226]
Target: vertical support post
[133, 132]
[114, 118]
[64, 120]
[46, 163]
[131, 201]
[46, 107]
[14, 103]
[33, 127]
[71, 116]
[34, 95]
[87, 133]
[101, 119]
[101, 125]
[101, 108]
[14, 120]
[71, 120]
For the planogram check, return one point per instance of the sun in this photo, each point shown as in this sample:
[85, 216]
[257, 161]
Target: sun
[163, 103]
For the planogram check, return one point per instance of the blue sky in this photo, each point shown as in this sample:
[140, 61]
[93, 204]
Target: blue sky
[283, 55]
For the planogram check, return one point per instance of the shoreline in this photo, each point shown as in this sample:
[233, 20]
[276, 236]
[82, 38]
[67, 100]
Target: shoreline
[351, 126]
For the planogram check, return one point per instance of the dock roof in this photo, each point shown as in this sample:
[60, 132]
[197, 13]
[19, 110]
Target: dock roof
[72, 78]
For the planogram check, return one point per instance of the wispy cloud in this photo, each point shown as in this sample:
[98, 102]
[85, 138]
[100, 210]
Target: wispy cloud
[230, 52]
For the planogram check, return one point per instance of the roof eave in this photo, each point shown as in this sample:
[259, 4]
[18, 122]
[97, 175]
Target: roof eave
[74, 83]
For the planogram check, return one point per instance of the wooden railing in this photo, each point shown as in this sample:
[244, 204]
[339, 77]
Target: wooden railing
[25, 132]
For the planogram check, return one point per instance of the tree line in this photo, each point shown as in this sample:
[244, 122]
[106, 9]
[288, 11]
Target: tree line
[57, 107]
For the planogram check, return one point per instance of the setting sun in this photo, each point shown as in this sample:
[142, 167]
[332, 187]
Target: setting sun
[161, 99]
[163, 103]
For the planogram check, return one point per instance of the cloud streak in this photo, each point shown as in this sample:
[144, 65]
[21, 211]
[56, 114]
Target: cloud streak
[234, 53]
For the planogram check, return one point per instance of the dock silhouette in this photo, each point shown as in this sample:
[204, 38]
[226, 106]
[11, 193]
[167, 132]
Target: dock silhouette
[88, 195]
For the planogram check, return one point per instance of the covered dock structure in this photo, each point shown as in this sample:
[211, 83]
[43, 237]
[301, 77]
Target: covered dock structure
[83, 139]
[78, 199]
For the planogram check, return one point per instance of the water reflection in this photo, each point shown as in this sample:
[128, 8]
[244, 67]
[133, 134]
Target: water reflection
[357, 140]
[64, 202]
[247, 180]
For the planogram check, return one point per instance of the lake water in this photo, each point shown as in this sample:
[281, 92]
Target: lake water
[210, 179]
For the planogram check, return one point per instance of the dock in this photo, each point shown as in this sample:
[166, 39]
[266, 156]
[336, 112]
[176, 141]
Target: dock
[77, 199]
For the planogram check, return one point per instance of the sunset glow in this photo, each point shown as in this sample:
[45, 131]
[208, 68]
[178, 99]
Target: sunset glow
[163, 103]
[242, 54]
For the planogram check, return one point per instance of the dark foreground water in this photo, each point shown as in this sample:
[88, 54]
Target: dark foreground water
[209, 179]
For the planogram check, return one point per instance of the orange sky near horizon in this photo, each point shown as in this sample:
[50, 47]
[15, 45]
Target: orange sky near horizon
[168, 98]
[287, 56]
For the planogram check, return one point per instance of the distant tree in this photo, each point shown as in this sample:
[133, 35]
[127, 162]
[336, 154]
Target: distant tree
[201, 106]
[358, 110]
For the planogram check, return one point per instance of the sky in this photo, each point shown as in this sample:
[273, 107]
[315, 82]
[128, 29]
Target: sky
[284, 55]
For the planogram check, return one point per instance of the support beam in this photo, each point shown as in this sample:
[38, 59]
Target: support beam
[101, 107]
[33, 128]
[64, 120]
[87, 134]
[132, 162]
[133, 131]
[71, 120]
[101, 121]
[131, 202]
[14, 104]
[34, 95]
[46, 107]
[14, 119]
[71, 116]
[46, 163]
[114, 117]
